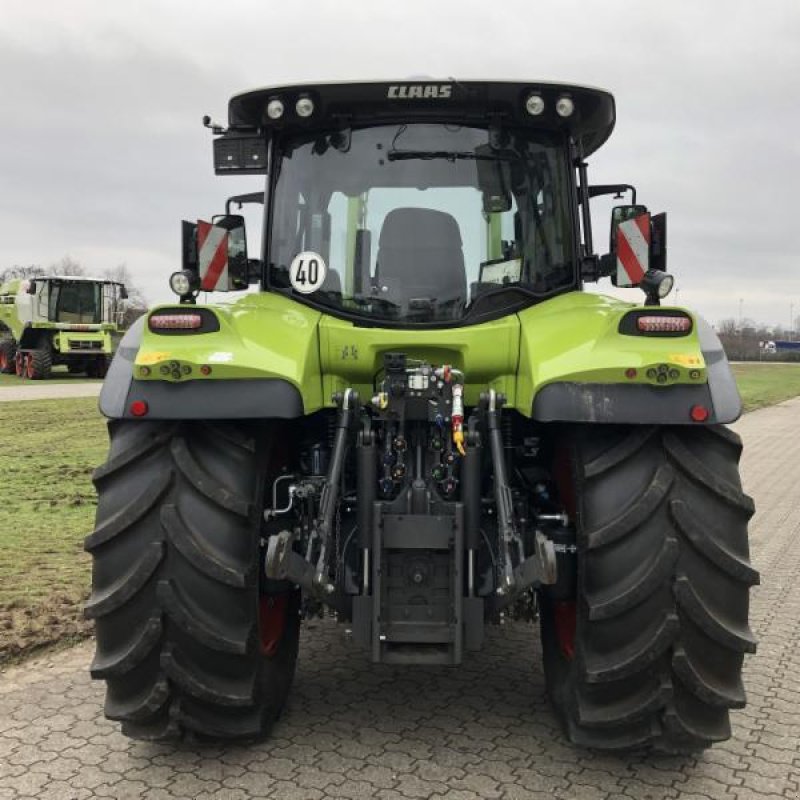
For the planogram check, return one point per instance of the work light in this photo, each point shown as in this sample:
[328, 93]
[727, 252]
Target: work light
[656, 285]
[275, 109]
[182, 283]
[534, 105]
[304, 107]
[564, 106]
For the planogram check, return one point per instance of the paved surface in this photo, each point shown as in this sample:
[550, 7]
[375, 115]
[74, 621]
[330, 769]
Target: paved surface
[484, 731]
[49, 391]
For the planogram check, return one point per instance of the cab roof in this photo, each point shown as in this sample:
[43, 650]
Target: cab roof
[428, 100]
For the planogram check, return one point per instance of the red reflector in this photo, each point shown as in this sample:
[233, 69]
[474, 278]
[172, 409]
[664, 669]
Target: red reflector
[630, 373]
[175, 321]
[205, 370]
[699, 413]
[139, 408]
[663, 324]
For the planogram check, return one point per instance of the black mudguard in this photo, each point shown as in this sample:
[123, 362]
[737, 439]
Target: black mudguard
[620, 403]
[208, 399]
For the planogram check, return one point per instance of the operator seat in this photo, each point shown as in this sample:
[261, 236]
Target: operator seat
[420, 259]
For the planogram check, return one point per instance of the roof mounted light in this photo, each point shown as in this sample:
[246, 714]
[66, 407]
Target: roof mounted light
[656, 285]
[275, 108]
[564, 106]
[534, 105]
[304, 107]
[183, 283]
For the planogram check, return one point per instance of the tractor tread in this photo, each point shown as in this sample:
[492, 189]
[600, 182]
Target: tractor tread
[705, 687]
[110, 598]
[176, 632]
[203, 482]
[189, 544]
[632, 709]
[707, 541]
[640, 653]
[116, 663]
[619, 453]
[223, 691]
[636, 513]
[129, 514]
[660, 639]
[691, 466]
[629, 593]
[144, 446]
[193, 622]
[727, 633]
[139, 706]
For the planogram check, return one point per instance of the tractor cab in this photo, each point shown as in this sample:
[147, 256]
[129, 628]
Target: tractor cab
[71, 300]
[433, 204]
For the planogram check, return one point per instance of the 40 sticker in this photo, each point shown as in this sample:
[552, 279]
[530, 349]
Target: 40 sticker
[307, 272]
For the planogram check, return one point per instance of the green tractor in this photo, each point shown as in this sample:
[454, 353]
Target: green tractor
[422, 423]
[70, 320]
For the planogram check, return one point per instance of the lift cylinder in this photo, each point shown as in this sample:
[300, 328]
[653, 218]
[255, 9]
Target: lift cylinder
[366, 480]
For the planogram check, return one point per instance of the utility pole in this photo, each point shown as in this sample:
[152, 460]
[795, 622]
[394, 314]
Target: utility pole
[791, 322]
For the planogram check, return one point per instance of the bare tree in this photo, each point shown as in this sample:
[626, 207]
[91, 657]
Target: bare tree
[17, 271]
[67, 266]
[136, 304]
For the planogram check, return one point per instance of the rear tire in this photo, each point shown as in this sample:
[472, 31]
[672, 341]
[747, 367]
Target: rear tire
[8, 351]
[175, 583]
[660, 622]
[39, 364]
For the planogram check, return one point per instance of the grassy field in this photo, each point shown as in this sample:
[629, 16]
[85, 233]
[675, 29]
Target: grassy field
[60, 375]
[763, 384]
[49, 449]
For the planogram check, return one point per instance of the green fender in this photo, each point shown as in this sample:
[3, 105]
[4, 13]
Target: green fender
[561, 360]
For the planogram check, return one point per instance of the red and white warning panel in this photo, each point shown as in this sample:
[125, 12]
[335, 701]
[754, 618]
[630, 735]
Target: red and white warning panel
[633, 250]
[212, 257]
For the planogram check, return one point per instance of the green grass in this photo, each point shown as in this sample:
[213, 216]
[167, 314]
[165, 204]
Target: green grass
[60, 375]
[762, 384]
[49, 449]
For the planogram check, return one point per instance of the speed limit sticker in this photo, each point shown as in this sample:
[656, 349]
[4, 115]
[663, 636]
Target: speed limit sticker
[307, 272]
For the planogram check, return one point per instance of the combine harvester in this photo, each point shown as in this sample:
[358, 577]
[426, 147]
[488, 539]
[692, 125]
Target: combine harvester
[46, 321]
[423, 423]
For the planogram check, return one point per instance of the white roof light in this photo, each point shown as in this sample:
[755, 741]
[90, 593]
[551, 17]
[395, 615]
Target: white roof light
[304, 107]
[534, 105]
[564, 106]
[275, 109]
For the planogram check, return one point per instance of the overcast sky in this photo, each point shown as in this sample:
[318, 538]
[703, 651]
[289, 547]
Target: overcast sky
[103, 152]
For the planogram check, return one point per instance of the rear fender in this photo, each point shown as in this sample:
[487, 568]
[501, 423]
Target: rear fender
[263, 359]
[575, 366]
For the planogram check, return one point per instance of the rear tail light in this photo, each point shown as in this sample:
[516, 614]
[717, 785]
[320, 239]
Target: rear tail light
[173, 322]
[139, 408]
[663, 324]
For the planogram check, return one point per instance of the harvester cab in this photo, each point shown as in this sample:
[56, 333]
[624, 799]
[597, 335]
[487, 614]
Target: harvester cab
[422, 423]
[62, 319]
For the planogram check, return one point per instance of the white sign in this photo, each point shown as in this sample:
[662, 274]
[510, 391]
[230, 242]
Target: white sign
[307, 272]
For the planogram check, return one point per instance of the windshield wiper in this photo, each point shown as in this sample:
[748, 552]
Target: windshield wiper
[448, 155]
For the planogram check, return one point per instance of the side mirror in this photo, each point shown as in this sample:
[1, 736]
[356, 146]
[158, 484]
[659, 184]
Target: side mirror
[641, 250]
[238, 266]
[31, 288]
[630, 243]
[123, 293]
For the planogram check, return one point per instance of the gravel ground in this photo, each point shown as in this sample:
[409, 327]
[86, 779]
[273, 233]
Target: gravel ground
[48, 391]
